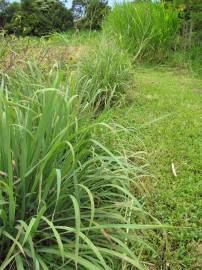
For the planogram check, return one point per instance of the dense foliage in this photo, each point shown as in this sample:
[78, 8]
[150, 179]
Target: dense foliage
[189, 45]
[36, 17]
[144, 29]
[40, 17]
[190, 15]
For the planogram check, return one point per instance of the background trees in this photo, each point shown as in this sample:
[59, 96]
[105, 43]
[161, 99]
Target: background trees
[196, 17]
[3, 4]
[36, 17]
[190, 14]
[40, 17]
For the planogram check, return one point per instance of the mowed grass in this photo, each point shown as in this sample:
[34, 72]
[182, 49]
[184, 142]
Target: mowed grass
[165, 115]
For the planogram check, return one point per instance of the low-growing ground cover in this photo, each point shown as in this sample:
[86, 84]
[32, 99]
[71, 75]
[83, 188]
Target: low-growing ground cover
[164, 113]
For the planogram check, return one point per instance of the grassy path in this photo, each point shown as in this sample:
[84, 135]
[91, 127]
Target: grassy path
[166, 110]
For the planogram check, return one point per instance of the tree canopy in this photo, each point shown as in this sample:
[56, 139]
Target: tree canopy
[40, 17]
[36, 17]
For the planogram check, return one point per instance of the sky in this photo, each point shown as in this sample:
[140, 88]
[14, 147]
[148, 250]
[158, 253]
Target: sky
[69, 4]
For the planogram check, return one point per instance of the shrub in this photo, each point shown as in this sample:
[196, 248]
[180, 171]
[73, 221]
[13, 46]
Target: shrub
[104, 75]
[65, 199]
[144, 29]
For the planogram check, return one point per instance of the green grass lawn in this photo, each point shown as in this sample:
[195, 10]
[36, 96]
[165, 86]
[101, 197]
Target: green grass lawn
[165, 111]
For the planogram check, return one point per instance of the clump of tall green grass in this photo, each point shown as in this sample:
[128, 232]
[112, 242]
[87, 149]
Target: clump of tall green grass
[65, 200]
[104, 75]
[144, 29]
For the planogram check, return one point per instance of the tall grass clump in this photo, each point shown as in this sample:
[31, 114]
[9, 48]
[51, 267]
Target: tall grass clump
[65, 200]
[144, 29]
[104, 75]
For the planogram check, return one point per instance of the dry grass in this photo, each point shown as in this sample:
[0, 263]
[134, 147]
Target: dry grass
[18, 53]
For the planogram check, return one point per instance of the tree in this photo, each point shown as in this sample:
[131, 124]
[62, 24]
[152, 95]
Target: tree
[95, 12]
[37, 17]
[90, 13]
[9, 12]
[190, 14]
[3, 5]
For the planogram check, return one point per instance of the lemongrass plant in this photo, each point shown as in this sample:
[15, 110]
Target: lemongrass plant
[65, 199]
[104, 75]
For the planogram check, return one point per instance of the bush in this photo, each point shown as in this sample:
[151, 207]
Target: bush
[37, 18]
[65, 199]
[104, 75]
[144, 29]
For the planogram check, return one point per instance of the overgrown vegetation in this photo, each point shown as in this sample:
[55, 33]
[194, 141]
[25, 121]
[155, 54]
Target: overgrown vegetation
[159, 32]
[65, 198]
[144, 29]
[190, 46]
[104, 75]
[190, 15]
